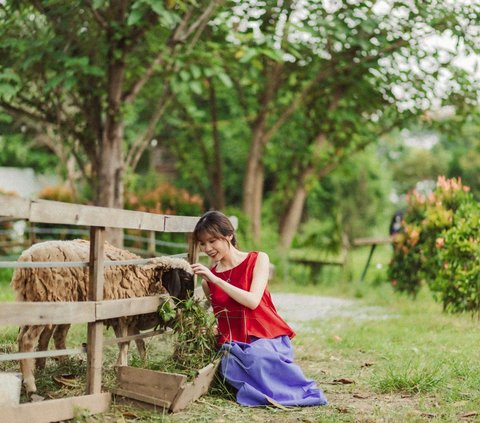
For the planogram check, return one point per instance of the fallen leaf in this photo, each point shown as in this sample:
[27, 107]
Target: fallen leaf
[360, 396]
[66, 380]
[129, 414]
[337, 338]
[430, 415]
[36, 398]
[333, 358]
[367, 364]
[343, 410]
[276, 404]
[469, 414]
[343, 381]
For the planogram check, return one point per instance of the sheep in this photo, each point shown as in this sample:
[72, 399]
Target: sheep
[162, 275]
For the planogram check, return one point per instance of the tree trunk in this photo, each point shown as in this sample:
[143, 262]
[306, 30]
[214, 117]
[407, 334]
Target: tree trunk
[293, 214]
[110, 170]
[253, 182]
[109, 191]
[217, 171]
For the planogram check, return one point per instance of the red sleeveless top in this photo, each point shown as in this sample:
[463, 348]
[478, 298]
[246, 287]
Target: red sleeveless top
[237, 322]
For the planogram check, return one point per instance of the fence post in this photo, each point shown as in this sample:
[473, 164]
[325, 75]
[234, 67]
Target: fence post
[151, 243]
[192, 254]
[32, 236]
[192, 249]
[95, 329]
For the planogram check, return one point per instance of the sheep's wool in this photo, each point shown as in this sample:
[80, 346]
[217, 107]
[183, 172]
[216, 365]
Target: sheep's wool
[71, 284]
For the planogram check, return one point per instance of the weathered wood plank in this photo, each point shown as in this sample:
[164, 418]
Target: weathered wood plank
[371, 241]
[142, 397]
[311, 256]
[160, 385]
[74, 214]
[38, 354]
[113, 341]
[95, 293]
[195, 389]
[14, 207]
[57, 212]
[57, 409]
[41, 313]
[180, 223]
[109, 309]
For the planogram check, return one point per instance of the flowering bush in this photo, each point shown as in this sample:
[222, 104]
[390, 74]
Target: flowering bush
[57, 193]
[457, 281]
[416, 258]
[165, 199]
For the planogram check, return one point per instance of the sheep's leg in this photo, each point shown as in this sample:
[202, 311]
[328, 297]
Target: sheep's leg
[121, 330]
[133, 330]
[27, 339]
[60, 337]
[43, 342]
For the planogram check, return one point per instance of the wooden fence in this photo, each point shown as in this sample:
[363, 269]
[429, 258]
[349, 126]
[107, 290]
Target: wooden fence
[92, 312]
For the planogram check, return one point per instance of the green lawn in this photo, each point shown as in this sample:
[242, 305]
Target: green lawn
[407, 362]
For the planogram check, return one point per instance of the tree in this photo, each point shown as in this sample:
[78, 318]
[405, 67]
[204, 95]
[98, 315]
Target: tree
[85, 70]
[356, 69]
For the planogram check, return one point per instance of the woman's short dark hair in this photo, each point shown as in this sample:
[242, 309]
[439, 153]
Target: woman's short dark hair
[216, 224]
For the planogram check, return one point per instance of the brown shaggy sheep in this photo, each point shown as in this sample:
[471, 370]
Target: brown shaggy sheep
[162, 275]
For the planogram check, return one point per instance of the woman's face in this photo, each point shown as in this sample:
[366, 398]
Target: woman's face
[215, 247]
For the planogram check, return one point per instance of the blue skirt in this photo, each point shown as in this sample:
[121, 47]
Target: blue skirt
[264, 370]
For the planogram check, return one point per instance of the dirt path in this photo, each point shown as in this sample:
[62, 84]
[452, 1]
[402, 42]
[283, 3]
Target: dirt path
[298, 309]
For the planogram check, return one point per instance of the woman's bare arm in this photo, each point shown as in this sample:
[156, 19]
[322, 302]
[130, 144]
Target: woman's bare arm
[250, 298]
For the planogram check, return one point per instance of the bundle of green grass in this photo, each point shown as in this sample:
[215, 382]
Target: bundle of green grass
[193, 330]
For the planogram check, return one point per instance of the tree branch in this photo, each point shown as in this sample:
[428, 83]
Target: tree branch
[21, 112]
[141, 143]
[179, 35]
[97, 15]
[321, 76]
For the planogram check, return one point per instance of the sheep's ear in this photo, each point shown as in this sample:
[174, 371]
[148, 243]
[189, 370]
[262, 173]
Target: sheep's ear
[172, 283]
[188, 282]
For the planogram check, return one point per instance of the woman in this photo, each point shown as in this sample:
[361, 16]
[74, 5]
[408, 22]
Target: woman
[259, 356]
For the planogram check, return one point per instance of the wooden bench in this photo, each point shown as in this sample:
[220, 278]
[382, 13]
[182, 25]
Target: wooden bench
[316, 258]
[372, 242]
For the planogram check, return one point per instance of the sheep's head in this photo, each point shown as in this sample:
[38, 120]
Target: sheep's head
[175, 275]
[178, 283]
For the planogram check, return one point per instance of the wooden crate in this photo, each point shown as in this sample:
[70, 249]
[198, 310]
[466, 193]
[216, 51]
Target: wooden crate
[167, 390]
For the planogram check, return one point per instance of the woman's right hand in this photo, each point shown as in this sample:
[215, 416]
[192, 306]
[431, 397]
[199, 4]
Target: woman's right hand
[203, 271]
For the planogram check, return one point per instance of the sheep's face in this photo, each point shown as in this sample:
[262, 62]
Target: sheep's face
[177, 282]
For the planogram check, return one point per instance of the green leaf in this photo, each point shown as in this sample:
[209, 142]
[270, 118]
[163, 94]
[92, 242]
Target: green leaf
[166, 311]
[196, 87]
[196, 72]
[225, 79]
[184, 75]
[134, 17]
[249, 55]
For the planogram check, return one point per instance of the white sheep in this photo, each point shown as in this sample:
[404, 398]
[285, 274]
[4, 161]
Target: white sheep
[163, 275]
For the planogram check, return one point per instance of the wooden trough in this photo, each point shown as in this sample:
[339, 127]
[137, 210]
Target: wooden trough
[167, 390]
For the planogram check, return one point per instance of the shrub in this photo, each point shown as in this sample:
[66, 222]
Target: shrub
[164, 199]
[457, 281]
[416, 259]
[57, 193]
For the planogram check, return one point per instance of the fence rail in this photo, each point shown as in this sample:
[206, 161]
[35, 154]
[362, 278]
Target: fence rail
[96, 309]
